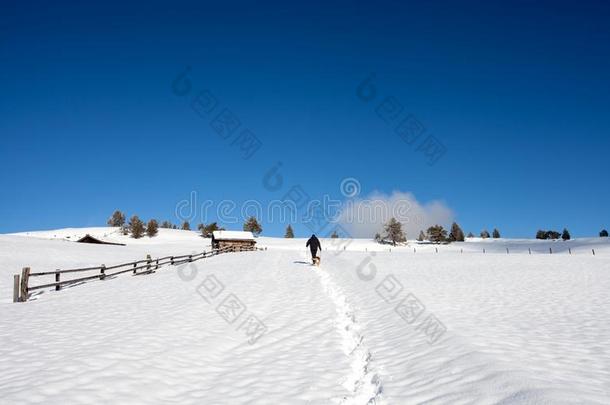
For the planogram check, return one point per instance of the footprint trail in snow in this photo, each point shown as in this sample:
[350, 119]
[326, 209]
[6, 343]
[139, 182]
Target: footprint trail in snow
[362, 381]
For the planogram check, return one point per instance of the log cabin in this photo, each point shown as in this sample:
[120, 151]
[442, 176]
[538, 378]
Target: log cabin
[222, 239]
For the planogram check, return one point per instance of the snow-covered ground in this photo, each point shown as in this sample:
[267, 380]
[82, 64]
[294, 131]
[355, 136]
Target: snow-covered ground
[404, 325]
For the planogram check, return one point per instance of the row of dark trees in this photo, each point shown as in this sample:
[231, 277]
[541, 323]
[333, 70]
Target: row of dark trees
[544, 235]
[565, 235]
[485, 234]
[393, 233]
[136, 227]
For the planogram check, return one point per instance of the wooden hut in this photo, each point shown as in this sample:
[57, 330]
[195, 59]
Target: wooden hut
[222, 239]
[90, 239]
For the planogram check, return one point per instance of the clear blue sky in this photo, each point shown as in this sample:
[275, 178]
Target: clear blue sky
[519, 94]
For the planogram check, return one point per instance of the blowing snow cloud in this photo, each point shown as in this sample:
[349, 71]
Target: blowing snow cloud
[364, 217]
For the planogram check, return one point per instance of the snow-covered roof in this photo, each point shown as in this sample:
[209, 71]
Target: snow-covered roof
[90, 239]
[233, 235]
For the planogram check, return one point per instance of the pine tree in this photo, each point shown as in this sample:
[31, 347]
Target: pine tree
[437, 234]
[565, 235]
[289, 232]
[377, 237]
[484, 234]
[552, 235]
[603, 233]
[541, 234]
[456, 234]
[394, 232]
[209, 229]
[253, 226]
[334, 235]
[166, 225]
[152, 228]
[422, 236]
[470, 235]
[186, 226]
[495, 233]
[136, 227]
[117, 219]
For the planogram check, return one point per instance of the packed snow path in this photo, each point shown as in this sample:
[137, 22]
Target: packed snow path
[519, 328]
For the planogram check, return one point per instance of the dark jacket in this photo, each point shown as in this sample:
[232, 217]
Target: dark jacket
[313, 243]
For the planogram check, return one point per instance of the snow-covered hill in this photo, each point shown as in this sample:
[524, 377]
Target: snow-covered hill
[369, 326]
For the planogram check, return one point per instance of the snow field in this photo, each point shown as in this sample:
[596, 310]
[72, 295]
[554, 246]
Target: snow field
[519, 328]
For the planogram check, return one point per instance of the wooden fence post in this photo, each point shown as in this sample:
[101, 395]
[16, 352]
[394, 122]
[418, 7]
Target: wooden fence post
[134, 268]
[570, 250]
[157, 264]
[550, 251]
[483, 250]
[16, 288]
[593, 250]
[190, 258]
[25, 276]
[148, 261]
[57, 276]
[414, 251]
[436, 250]
[530, 250]
[171, 260]
[103, 272]
[506, 250]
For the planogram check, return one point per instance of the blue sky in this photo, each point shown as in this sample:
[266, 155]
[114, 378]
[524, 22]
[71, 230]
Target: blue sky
[519, 95]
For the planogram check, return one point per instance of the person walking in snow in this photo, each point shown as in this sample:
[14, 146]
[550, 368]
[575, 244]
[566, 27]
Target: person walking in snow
[314, 244]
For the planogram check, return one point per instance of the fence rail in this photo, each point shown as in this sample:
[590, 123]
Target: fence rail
[22, 288]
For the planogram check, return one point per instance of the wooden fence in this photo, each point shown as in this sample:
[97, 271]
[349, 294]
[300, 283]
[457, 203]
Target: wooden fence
[22, 288]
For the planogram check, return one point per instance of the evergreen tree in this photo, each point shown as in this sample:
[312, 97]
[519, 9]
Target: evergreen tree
[422, 236]
[253, 226]
[552, 235]
[207, 230]
[289, 232]
[377, 237]
[495, 233]
[484, 234]
[394, 232]
[334, 235]
[437, 234]
[603, 233]
[565, 235]
[470, 235]
[117, 219]
[136, 227]
[152, 228]
[186, 226]
[166, 225]
[456, 234]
